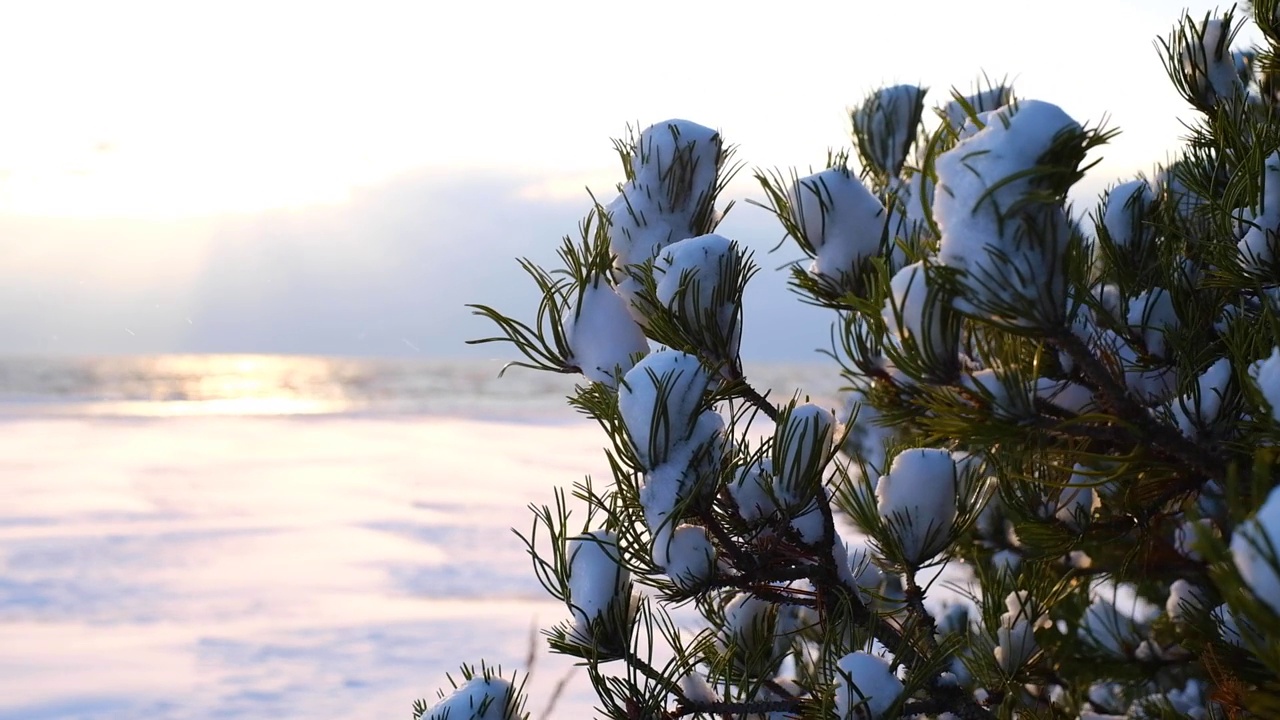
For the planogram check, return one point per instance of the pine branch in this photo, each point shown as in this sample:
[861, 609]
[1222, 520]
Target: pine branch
[838, 598]
[915, 606]
[736, 385]
[980, 383]
[1143, 428]
[759, 401]
[739, 709]
[947, 699]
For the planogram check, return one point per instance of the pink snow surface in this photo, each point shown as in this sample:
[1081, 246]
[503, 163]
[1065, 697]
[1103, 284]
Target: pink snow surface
[273, 567]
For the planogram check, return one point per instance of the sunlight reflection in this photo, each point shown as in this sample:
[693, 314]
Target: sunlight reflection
[229, 406]
[179, 385]
[236, 385]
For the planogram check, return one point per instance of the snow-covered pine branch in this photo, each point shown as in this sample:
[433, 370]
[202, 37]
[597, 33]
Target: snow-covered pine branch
[1051, 488]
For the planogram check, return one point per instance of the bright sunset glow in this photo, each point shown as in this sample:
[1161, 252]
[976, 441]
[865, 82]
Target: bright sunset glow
[157, 109]
[317, 178]
[179, 385]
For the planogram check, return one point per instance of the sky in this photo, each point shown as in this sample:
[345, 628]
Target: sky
[341, 178]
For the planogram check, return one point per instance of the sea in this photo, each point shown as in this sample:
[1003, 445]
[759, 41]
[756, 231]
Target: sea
[175, 385]
[257, 536]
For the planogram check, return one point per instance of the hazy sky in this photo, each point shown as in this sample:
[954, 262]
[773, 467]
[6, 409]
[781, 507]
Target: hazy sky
[342, 177]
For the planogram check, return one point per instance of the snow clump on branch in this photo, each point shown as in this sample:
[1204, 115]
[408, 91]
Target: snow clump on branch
[674, 167]
[841, 225]
[1008, 245]
[917, 500]
[598, 582]
[673, 438]
[867, 688]
[1266, 374]
[697, 279]
[1258, 243]
[889, 121]
[480, 698]
[602, 336]
[1255, 548]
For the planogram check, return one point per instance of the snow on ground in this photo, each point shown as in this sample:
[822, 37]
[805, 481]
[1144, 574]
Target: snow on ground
[271, 567]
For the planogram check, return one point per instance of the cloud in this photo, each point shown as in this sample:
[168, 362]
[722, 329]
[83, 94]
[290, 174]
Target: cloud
[387, 273]
[391, 273]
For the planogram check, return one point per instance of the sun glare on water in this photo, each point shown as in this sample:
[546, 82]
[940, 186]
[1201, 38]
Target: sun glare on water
[201, 385]
[175, 385]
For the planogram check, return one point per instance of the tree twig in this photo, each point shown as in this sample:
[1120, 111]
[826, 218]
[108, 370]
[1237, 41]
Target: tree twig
[1162, 438]
[739, 709]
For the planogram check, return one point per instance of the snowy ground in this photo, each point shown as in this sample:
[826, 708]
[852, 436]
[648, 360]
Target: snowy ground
[270, 567]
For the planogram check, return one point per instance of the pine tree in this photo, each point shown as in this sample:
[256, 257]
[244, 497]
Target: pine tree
[1051, 490]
